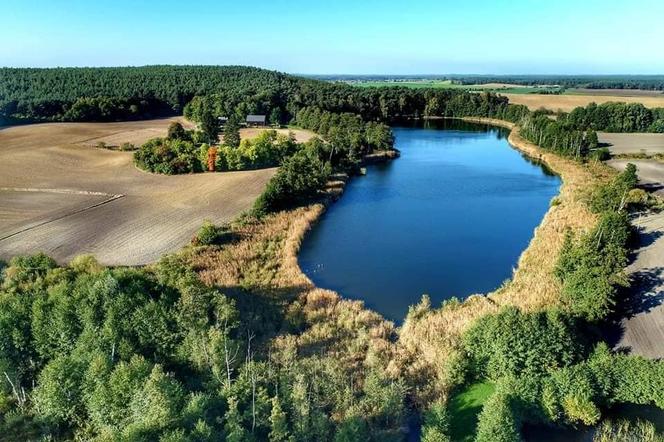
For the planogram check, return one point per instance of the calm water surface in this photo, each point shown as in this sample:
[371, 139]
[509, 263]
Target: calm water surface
[448, 218]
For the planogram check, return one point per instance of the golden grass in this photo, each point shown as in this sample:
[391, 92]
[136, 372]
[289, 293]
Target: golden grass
[567, 103]
[264, 262]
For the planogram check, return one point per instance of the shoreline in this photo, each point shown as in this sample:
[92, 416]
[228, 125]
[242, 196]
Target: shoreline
[427, 344]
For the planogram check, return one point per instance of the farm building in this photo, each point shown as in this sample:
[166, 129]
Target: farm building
[255, 120]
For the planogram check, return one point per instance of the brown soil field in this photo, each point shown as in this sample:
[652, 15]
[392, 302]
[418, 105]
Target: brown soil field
[138, 133]
[632, 143]
[61, 196]
[650, 172]
[301, 135]
[643, 327]
[616, 92]
[566, 103]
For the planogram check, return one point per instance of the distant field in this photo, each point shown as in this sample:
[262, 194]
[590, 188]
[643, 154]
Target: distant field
[566, 103]
[61, 196]
[615, 92]
[448, 84]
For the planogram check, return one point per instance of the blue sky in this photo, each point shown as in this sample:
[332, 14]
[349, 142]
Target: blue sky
[341, 36]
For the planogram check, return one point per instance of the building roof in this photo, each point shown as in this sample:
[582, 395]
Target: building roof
[255, 118]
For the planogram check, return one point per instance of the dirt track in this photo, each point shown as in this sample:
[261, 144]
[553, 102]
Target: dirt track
[643, 326]
[650, 172]
[63, 197]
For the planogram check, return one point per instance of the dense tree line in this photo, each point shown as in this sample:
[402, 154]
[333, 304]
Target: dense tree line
[647, 82]
[91, 353]
[102, 94]
[617, 117]
[556, 135]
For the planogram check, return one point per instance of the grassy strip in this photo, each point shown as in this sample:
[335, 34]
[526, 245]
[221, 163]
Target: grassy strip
[465, 408]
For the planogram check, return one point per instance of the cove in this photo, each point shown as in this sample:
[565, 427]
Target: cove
[449, 218]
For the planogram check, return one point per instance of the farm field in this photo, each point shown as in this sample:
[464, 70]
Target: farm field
[567, 103]
[448, 84]
[643, 327]
[615, 92]
[632, 143]
[61, 196]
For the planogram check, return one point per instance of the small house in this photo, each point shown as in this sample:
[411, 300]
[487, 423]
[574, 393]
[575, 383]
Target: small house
[256, 120]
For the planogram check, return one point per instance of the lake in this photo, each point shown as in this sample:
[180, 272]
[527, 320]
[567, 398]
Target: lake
[449, 218]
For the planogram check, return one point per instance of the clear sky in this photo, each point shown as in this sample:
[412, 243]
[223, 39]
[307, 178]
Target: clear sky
[341, 36]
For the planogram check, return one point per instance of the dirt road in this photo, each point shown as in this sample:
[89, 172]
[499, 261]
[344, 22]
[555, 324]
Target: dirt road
[643, 325]
[650, 172]
[61, 196]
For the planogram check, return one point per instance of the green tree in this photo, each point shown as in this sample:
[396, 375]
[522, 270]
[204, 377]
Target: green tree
[176, 131]
[232, 132]
[278, 422]
[497, 422]
[209, 124]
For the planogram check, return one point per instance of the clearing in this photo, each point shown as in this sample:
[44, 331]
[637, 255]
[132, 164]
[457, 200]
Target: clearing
[61, 196]
[301, 135]
[567, 103]
[465, 408]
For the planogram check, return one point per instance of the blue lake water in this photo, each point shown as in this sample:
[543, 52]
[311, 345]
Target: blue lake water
[450, 217]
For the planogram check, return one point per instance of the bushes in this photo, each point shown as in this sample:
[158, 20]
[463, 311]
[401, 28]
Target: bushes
[511, 343]
[210, 234]
[268, 149]
[497, 422]
[614, 195]
[168, 156]
[591, 268]
[298, 179]
[179, 154]
[627, 431]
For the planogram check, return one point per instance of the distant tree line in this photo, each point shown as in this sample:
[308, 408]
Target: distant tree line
[647, 82]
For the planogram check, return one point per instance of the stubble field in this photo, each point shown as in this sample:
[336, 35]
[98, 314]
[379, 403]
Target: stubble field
[61, 196]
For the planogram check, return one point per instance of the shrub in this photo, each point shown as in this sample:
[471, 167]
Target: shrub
[209, 234]
[515, 343]
[436, 424]
[592, 268]
[163, 155]
[298, 179]
[497, 422]
[624, 430]
[600, 154]
[613, 196]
